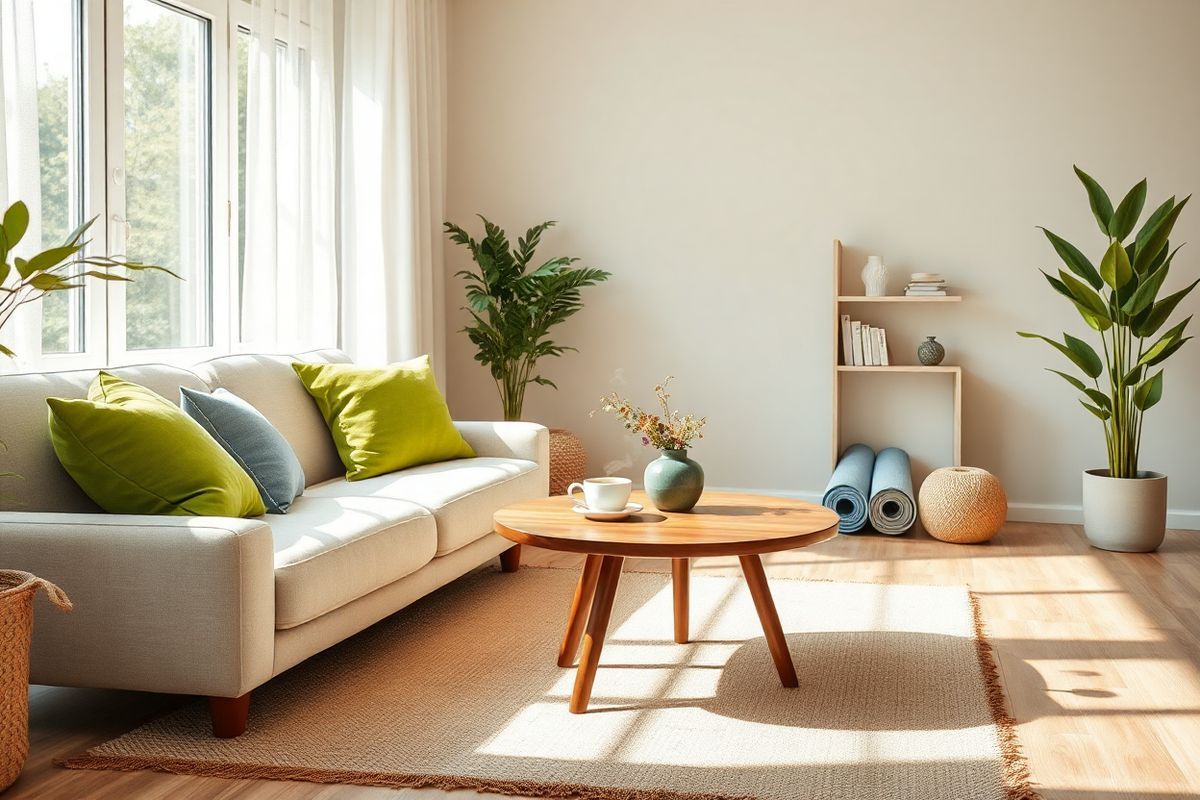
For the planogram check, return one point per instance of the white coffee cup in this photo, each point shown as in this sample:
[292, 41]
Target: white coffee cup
[603, 494]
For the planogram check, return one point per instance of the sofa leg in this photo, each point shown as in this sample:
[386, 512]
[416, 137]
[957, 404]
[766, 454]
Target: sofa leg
[510, 559]
[229, 715]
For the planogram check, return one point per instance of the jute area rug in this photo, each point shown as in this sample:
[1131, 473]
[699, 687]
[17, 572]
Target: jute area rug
[898, 699]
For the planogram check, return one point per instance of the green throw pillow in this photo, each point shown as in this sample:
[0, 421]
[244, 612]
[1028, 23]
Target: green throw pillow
[384, 419]
[134, 452]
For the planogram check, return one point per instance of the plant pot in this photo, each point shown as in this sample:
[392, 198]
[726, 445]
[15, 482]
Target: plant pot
[1128, 515]
[17, 590]
[673, 481]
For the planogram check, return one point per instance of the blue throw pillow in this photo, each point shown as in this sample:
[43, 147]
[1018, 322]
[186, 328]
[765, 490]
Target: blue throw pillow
[252, 441]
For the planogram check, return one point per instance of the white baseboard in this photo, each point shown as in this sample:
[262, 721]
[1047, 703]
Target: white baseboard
[1177, 519]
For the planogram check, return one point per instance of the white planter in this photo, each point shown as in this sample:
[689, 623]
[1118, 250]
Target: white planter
[1128, 515]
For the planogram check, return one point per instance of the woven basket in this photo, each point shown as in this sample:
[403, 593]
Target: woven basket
[568, 460]
[962, 505]
[16, 627]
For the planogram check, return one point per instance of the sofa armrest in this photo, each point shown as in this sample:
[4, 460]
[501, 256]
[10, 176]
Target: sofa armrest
[526, 440]
[163, 604]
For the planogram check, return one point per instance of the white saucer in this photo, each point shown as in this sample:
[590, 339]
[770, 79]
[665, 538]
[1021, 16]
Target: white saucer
[607, 516]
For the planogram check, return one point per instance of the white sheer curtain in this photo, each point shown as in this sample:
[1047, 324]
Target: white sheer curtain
[289, 287]
[20, 162]
[392, 179]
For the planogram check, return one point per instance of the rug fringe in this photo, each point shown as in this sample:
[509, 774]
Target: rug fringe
[389, 780]
[1018, 780]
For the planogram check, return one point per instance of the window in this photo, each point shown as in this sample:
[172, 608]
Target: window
[58, 49]
[133, 127]
[167, 167]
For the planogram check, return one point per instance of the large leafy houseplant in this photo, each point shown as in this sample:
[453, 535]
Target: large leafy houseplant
[57, 269]
[1120, 301]
[513, 307]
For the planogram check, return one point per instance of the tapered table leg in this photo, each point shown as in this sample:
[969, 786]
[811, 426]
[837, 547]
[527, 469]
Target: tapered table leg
[680, 570]
[597, 629]
[585, 590]
[756, 578]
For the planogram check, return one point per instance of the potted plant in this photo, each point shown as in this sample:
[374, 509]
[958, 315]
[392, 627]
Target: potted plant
[1124, 507]
[513, 308]
[58, 269]
[673, 482]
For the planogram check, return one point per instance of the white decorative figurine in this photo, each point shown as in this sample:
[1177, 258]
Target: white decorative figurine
[874, 277]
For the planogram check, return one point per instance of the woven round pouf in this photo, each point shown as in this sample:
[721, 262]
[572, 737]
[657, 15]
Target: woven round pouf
[568, 460]
[963, 505]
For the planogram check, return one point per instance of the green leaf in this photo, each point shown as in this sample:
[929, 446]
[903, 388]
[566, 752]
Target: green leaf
[1156, 239]
[1090, 361]
[1146, 293]
[1149, 392]
[1160, 312]
[1088, 302]
[1167, 352]
[6, 352]
[1152, 221]
[1127, 213]
[1161, 349]
[16, 222]
[49, 282]
[74, 236]
[1098, 199]
[1099, 398]
[49, 258]
[106, 276]
[1071, 379]
[544, 381]
[1114, 267]
[22, 267]
[1101, 413]
[1090, 368]
[5, 267]
[1133, 376]
[1076, 261]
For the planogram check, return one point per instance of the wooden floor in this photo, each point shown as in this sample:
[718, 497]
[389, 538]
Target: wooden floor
[1100, 655]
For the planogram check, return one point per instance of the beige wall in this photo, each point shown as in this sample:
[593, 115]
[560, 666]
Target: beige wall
[707, 152]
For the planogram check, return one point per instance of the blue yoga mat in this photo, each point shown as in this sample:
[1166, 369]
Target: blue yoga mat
[892, 508]
[849, 487]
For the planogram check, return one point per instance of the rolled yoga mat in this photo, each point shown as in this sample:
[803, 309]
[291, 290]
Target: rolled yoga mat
[892, 508]
[849, 487]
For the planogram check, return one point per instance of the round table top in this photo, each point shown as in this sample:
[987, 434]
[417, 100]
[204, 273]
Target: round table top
[721, 524]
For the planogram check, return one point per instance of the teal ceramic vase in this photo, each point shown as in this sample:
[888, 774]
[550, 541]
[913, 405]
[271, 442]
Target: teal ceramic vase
[674, 482]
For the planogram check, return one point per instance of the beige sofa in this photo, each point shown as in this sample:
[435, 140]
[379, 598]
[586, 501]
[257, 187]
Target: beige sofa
[215, 606]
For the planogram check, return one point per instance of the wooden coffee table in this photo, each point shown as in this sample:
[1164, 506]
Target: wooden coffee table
[723, 524]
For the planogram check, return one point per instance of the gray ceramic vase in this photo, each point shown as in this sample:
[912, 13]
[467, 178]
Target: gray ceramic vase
[673, 481]
[930, 353]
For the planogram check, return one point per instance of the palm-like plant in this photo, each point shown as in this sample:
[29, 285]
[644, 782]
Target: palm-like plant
[1120, 302]
[57, 269]
[513, 308]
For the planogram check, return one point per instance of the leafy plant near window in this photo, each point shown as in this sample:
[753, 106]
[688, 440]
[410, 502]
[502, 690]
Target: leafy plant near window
[1119, 301]
[58, 269]
[513, 308]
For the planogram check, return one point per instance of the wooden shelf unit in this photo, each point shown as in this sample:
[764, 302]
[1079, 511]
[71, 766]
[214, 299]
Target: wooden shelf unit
[840, 369]
[897, 298]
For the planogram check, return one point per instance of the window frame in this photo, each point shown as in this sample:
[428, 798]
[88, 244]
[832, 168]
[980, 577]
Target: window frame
[103, 304]
[217, 14]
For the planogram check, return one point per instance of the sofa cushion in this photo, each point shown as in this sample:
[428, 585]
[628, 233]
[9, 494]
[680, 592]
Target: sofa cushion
[330, 551]
[28, 451]
[462, 495]
[135, 452]
[268, 383]
[384, 419]
[253, 442]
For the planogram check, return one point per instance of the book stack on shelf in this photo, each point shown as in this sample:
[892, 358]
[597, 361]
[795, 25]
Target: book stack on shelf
[926, 284]
[863, 345]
